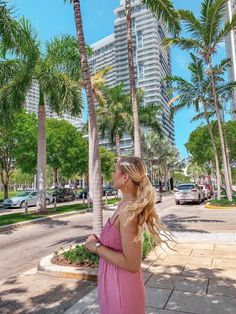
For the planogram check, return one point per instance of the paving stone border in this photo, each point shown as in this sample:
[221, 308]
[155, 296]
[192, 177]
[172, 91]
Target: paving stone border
[209, 206]
[46, 267]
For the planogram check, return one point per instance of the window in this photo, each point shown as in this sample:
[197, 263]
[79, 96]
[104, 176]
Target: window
[141, 70]
[140, 39]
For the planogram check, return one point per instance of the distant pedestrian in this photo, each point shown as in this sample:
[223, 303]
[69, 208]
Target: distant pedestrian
[120, 278]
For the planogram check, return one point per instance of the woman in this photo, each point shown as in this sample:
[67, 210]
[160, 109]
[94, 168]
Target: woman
[120, 279]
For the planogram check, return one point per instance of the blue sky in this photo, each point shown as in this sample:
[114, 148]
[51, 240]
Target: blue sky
[53, 17]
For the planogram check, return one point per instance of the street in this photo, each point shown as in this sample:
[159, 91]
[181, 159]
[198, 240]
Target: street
[32, 242]
[23, 289]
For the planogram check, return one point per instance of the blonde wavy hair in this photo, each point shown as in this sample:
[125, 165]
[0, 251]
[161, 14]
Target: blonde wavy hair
[144, 206]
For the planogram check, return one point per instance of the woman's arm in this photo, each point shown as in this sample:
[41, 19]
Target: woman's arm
[131, 255]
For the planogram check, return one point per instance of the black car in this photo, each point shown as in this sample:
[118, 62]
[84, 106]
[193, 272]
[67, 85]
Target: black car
[108, 190]
[64, 194]
[84, 193]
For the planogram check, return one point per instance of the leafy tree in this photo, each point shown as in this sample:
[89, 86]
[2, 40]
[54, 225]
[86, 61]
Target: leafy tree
[67, 150]
[18, 147]
[108, 160]
[55, 74]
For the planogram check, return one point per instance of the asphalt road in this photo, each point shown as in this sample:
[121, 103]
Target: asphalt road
[23, 247]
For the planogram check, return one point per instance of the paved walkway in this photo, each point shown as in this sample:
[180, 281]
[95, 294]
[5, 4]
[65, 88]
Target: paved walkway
[197, 278]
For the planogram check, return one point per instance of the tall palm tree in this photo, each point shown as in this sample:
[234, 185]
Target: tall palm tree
[52, 73]
[94, 157]
[197, 93]
[162, 9]
[206, 33]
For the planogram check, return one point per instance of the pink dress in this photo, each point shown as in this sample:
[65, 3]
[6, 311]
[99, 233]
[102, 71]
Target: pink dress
[119, 291]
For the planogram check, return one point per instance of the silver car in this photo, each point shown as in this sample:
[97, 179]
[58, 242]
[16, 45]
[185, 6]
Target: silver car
[188, 192]
[206, 191]
[28, 196]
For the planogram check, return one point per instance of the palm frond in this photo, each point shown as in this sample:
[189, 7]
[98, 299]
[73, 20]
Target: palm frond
[164, 9]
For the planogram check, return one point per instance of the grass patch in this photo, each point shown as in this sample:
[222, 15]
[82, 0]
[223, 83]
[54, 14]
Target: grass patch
[80, 257]
[19, 217]
[224, 202]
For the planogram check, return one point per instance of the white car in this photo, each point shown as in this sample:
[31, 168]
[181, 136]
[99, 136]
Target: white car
[206, 191]
[188, 192]
[27, 196]
[158, 195]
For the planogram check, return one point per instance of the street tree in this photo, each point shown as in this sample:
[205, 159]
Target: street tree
[18, 147]
[67, 150]
[53, 73]
[163, 9]
[206, 33]
[95, 179]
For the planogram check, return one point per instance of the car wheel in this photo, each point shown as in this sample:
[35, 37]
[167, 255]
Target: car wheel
[22, 204]
[177, 202]
[48, 201]
[73, 198]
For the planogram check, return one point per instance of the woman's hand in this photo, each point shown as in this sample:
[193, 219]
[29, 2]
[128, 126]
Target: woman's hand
[90, 243]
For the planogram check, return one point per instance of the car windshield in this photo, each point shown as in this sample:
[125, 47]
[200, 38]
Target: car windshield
[23, 194]
[185, 187]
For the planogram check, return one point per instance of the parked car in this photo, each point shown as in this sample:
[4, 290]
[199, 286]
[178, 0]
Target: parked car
[27, 196]
[158, 195]
[108, 190]
[188, 192]
[210, 188]
[84, 193]
[206, 191]
[64, 194]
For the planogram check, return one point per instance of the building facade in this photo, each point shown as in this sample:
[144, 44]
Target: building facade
[230, 44]
[31, 106]
[152, 62]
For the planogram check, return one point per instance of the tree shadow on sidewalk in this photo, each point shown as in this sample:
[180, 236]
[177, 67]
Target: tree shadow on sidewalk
[182, 224]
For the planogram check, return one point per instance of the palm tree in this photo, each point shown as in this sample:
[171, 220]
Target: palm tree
[161, 154]
[53, 74]
[95, 179]
[162, 9]
[114, 118]
[197, 93]
[206, 33]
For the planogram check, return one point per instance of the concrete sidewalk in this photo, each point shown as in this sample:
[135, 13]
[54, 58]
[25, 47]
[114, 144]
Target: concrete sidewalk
[197, 278]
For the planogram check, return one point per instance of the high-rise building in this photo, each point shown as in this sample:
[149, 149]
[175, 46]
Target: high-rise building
[230, 43]
[152, 62]
[31, 106]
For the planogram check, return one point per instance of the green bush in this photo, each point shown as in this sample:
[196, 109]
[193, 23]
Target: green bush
[223, 202]
[80, 256]
[148, 244]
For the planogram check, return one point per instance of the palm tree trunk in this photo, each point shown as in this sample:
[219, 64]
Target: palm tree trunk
[118, 146]
[218, 179]
[227, 182]
[137, 141]
[95, 165]
[41, 157]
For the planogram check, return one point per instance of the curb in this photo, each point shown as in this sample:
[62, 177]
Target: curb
[209, 206]
[28, 222]
[46, 267]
